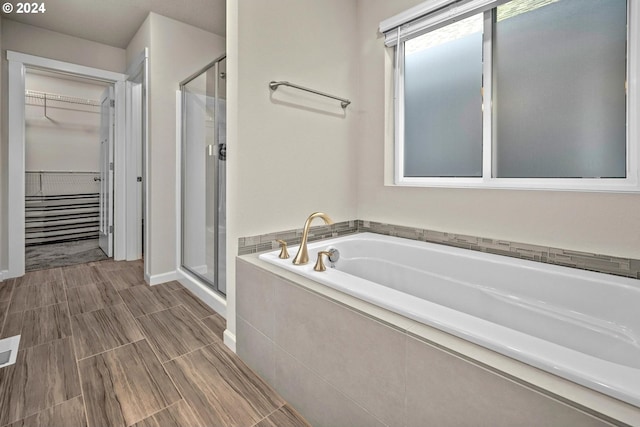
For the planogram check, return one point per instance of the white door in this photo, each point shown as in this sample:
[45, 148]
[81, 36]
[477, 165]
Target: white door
[106, 171]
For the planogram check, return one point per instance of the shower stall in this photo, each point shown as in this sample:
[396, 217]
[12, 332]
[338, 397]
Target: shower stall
[203, 175]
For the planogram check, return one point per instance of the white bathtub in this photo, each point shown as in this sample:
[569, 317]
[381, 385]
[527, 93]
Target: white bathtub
[580, 325]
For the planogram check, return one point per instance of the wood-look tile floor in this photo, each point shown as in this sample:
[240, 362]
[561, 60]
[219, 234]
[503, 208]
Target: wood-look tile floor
[101, 348]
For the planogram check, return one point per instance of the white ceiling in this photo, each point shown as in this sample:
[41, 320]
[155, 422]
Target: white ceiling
[115, 22]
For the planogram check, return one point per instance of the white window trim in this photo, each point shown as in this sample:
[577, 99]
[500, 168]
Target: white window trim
[623, 185]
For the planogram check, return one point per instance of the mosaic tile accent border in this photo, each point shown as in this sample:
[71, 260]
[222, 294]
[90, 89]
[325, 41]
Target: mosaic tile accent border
[267, 242]
[626, 267]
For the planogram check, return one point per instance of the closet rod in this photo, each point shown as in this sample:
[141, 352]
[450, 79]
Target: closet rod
[61, 98]
[343, 102]
[63, 172]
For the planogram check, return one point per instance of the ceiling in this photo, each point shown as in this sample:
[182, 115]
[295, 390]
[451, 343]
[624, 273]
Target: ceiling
[115, 22]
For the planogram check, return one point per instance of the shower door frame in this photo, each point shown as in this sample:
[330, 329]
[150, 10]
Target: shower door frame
[214, 286]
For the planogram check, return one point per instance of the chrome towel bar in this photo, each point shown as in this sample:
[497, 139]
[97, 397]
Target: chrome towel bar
[274, 85]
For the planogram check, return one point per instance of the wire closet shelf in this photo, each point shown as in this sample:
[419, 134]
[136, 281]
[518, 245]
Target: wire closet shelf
[52, 100]
[39, 98]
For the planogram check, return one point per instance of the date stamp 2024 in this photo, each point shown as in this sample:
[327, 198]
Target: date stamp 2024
[21, 8]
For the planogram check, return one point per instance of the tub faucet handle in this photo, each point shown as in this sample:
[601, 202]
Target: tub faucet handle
[320, 263]
[284, 253]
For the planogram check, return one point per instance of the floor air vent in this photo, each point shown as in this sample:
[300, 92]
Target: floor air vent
[9, 350]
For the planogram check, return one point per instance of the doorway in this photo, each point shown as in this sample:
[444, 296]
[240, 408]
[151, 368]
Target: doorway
[67, 196]
[19, 63]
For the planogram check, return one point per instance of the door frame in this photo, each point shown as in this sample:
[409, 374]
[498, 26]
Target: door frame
[137, 125]
[107, 123]
[18, 63]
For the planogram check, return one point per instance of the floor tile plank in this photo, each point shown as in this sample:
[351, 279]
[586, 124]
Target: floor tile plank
[83, 299]
[4, 311]
[6, 288]
[221, 389]
[125, 385]
[82, 275]
[174, 285]
[69, 413]
[174, 332]
[104, 329]
[44, 324]
[126, 277]
[79, 312]
[145, 299]
[110, 265]
[177, 415]
[286, 416]
[37, 295]
[217, 324]
[195, 305]
[12, 325]
[43, 376]
[39, 277]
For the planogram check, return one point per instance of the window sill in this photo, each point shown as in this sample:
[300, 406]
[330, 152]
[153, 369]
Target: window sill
[612, 185]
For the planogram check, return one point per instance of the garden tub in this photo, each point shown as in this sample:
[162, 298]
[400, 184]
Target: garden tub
[580, 325]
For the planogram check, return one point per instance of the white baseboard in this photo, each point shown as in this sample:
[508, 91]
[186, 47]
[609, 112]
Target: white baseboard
[206, 295]
[3, 274]
[230, 340]
[157, 279]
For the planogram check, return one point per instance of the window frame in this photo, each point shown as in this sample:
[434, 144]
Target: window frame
[631, 183]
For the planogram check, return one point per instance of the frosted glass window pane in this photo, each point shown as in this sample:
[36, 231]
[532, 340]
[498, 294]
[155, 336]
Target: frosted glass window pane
[559, 89]
[443, 102]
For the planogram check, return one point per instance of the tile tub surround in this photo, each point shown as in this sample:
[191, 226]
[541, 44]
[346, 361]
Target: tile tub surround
[320, 348]
[626, 267]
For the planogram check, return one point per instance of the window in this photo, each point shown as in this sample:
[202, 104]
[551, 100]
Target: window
[516, 94]
[442, 101]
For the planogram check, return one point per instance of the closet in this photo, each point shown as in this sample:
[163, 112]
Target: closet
[62, 167]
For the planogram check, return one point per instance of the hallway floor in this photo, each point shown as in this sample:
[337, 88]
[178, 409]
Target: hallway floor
[40, 257]
[101, 348]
